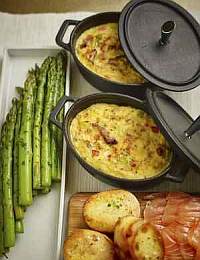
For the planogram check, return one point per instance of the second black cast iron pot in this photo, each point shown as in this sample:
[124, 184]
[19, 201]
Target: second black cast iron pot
[103, 84]
[175, 172]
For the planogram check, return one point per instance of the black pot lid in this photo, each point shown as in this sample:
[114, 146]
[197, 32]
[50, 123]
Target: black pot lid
[176, 125]
[170, 61]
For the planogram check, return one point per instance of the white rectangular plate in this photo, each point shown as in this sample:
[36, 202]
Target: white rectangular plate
[41, 228]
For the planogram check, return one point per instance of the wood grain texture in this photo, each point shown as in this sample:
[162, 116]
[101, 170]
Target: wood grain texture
[75, 208]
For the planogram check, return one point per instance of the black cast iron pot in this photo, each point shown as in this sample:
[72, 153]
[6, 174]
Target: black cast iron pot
[175, 172]
[103, 84]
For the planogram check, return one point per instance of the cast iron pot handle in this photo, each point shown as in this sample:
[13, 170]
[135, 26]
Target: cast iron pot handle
[178, 173]
[59, 106]
[62, 31]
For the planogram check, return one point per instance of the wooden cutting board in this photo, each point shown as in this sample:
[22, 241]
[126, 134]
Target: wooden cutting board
[76, 203]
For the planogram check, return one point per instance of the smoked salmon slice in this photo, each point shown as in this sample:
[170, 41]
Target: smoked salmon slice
[177, 217]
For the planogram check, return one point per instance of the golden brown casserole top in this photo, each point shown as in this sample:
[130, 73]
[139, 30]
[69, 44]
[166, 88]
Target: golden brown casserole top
[99, 50]
[119, 140]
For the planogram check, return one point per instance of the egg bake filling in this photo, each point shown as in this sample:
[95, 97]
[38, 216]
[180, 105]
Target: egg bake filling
[121, 141]
[99, 50]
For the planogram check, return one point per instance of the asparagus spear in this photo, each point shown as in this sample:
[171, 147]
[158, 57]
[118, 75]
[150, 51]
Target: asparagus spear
[57, 134]
[42, 80]
[55, 160]
[2, 142]
[37, 74]
[19, 211]
[9, 221]
[45, 144]
[61, 68]
[54, 151]
[25, 142]
[19, 226]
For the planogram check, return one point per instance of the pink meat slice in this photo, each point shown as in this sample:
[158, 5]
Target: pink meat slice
[172, 209]
[154, 211]
[171, 246]
[194, 236]
[177, 217]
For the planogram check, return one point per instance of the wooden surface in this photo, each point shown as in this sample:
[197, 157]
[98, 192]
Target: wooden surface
[39, 6]
[75, 208]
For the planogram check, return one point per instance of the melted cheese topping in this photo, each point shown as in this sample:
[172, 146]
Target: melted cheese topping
[119, 140]
[99, 50]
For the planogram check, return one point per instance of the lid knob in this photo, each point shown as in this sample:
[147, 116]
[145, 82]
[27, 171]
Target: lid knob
[193, 128]
[166, 31]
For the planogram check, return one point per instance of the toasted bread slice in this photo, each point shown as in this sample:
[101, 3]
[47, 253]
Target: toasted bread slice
[133, 228]
[146, 243]
[122, 231]
[102, 210]
[86, 244]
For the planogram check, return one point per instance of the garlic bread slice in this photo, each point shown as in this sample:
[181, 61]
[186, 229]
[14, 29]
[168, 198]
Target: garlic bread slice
[102, 210]
[84, 244]
[146, 243]
[122, 231]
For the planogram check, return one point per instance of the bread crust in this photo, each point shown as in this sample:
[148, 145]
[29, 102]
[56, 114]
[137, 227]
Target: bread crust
[122, 232]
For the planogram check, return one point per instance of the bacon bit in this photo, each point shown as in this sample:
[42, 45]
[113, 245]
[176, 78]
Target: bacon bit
[133, 164]
[102, 28]
[102, 56]
[113, 62]
[147, 125]
[109, 156]
[160, 151]
[83, 45]
[112, 47]
[105, 44]
[92, 55]
[114, 150]
[105, 134]
[94, 124]
[155, 129]
[95, 153]
[89, 38]
[102, 48]
[128, 149]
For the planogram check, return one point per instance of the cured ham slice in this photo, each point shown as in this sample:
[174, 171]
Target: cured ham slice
[187, 252]
[171, 246]
[184, 210]
[172, 209]
[177, 217]
[180, 235]
[194, 236]
[155, 195]
[154, 210]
